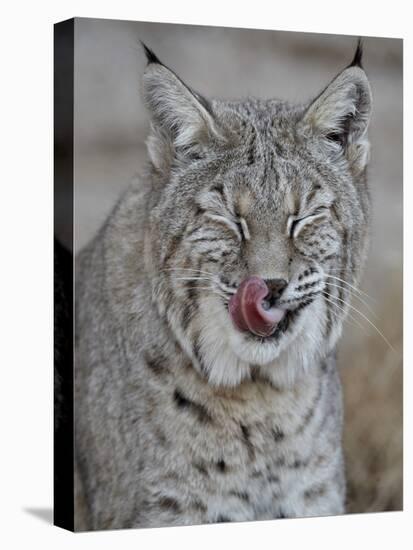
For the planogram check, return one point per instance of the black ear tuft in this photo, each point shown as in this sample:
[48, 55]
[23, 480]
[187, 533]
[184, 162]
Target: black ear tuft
[150, 56]
[358, 55]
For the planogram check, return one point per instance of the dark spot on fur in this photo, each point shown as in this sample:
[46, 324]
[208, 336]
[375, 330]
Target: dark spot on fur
[273, 479]
[218, 189]
[257, 376]
[320, 460]
[278, 149]
[201, 468]
[161, 437]
[196, 348]
[192, 291]
[330, 257]
[314, 492]
[334, 211]
[254, 373]
[313, 192]
[183, 402]
[199, 506]
[329, 320]
[278, 434]
[247, 441]
[169, 503]
[311, 410]
[242, 495]
[222, 519]
[306, 286]
[188, 311]
[199, 211]
[156, 363]
[298, 464]
[173, 247]
[221, 466]
[305, 273]
[171, 475]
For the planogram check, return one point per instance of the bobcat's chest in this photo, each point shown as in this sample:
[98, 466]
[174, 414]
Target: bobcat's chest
[244, 458]
[258, 475]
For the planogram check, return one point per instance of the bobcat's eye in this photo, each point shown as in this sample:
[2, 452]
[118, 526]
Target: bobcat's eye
[294, 225]
[243, 229]
[238, 225]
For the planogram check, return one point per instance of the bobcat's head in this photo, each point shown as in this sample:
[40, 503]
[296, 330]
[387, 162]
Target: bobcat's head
[259, 221]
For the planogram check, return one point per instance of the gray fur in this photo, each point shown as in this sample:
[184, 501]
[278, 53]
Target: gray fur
[180, 418]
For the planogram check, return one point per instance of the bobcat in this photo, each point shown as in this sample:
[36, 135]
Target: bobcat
[209, 306]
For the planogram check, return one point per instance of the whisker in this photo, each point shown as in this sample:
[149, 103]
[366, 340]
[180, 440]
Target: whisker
[187, 269]
[356, 296]
[343, 310]
[194, 279]
[221, 295]
[198, 288]
[345, 319]
[213, 278]
[368, 320]
[351, 286]
[210, 288]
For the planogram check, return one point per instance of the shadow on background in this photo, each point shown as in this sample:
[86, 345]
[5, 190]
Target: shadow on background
[45, 514]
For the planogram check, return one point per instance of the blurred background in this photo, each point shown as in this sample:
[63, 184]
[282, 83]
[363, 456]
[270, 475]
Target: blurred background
[110, 131]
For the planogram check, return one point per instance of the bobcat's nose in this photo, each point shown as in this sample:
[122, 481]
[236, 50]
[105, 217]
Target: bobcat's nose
[275, 289]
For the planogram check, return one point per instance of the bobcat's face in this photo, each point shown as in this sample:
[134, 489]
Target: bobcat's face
[259, 228]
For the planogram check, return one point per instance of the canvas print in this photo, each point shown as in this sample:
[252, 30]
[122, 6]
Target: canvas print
[228, 275]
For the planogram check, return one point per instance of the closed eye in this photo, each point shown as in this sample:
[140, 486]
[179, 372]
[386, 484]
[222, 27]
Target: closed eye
[243, 229]
[294, 225]
[239, 226]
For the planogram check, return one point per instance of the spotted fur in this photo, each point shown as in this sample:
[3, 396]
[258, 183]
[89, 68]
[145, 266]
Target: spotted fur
[181, 418]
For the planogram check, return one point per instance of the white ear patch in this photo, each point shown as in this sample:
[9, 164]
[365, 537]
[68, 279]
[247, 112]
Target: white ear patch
[179, 113]
[340, 117]
[346, 101]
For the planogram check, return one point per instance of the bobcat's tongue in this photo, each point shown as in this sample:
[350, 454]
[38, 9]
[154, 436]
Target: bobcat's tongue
[247, 310]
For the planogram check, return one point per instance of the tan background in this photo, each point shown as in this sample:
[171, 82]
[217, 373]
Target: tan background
[110, 130]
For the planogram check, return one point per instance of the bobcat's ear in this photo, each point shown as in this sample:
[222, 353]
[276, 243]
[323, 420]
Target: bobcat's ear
[340, 115]
[182, 120]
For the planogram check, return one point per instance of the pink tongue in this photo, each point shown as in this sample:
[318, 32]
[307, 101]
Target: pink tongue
[247, 312]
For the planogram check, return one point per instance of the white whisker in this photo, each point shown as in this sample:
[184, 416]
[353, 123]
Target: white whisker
[355, 296]
[367, 319]
[358, 324]
[348, 284]
[194, 279]
[188, 269]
